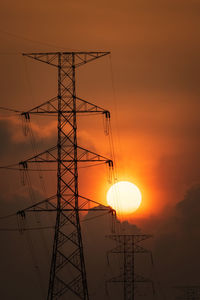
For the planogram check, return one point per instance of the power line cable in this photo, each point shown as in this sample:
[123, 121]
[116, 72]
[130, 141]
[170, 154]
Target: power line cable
[10, 109]
[26, 229]
[21, 37]
[8, 216]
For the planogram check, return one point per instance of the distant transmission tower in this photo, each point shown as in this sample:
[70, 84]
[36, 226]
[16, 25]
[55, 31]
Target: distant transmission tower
[68, 271]
[189, 292]
[128, 246]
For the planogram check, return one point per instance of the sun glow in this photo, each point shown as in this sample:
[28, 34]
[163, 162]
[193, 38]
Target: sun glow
[124, 197]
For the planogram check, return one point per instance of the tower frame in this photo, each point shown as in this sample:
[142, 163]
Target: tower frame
[128, 245]
[67, 271]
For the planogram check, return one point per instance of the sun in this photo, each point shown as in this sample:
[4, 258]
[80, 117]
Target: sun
[124, 196]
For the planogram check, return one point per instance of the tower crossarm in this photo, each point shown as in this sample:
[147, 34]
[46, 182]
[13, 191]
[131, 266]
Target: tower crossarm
[137, 249]
[50, 107]
[119, 279]
[131, 281]
[40, 206]
[141, 279]
[118, 249]
[44, 156]
[128, 246]
[49, 205]
[81, 58]
[67, 271]
[142, 250]
[137, 238]
[49, 156]
[137, 279]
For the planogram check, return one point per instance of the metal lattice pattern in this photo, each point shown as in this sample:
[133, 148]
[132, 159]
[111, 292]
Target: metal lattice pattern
[68, 272]
[189, 292]
[128, 245]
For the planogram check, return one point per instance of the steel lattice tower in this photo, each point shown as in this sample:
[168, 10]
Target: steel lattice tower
[189, 292]
[128, 246]
[67, 271]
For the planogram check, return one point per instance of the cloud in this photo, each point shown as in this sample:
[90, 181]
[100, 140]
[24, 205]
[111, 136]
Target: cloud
[97, 244]
[15, 142]
[175, 247]
[188, 212]
[176, 173]
[154, 52]
[177, 242]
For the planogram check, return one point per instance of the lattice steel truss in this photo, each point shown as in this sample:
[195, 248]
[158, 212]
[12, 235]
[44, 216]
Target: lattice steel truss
[128, 246]
[189, 292]
[67, 272]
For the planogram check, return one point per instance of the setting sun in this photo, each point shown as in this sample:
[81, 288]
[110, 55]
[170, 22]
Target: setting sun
[124, 197]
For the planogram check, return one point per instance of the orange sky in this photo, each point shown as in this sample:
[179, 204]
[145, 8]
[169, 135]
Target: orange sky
[155, 69]
[151, 87]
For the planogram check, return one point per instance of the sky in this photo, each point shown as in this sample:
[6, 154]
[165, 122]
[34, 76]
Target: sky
[150, 84]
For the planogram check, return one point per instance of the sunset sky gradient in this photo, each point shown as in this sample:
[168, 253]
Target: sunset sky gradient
[150, 84]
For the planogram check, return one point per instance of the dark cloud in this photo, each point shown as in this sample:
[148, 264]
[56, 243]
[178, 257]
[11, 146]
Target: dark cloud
[176, 244]
[188, 212]
[18, 262]
[156, 67]
[96, 248]
[175, 250]
[16, 147]
[26, 257]
[176, 173]
[14, 142]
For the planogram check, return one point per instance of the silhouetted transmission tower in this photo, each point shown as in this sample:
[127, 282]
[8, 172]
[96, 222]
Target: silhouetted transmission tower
[67, 271]
[189, 292]
[128, 246]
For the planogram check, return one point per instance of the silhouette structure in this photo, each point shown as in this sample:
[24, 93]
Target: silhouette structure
[128, 246]
[67, 271]
[189, 292]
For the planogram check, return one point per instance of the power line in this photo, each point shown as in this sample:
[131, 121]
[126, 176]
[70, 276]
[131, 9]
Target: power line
[7, 216]
[67, 154]
[26, 228]
[10, 109]
[21, 37]
[129, 246]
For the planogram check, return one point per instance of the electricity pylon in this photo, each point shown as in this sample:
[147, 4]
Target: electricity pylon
[67, 271]
[129, 245]
[189, 292]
